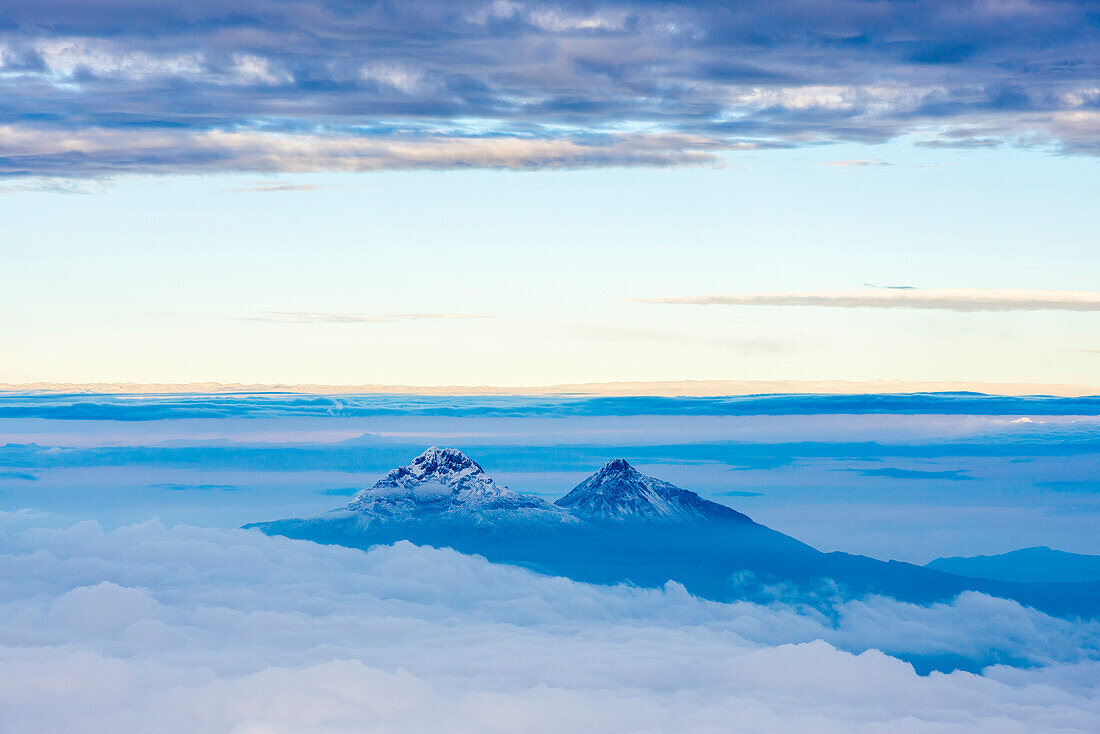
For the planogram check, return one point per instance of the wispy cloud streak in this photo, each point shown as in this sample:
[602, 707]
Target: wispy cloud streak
[280, 186]
[858, 163]
[945, 299]
[311, 317]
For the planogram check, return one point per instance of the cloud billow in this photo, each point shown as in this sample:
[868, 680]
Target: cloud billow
[156, 86]
[160, 630]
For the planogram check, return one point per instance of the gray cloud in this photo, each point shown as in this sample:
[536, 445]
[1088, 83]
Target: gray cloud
[962, 143]
[263, 85]
[946, 299]
[107, 152]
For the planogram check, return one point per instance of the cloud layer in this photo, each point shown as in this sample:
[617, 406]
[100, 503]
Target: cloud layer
[261, 85]
[182, 630]
[960, 299]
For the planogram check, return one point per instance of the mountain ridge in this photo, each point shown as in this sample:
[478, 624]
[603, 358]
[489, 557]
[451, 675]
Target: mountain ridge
[623, 527]
[1024, 565]
[444, 482]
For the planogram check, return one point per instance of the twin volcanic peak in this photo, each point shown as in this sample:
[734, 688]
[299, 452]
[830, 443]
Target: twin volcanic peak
[620, 526]
[448, 484]
[618, 491]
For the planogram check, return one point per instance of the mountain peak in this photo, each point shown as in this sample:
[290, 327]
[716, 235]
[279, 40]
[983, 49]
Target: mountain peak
[440, 481]
[617, 466]
[432, 476]
[435, 461]
[618, 491]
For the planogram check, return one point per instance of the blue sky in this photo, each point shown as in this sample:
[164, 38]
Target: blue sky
[482, 193]
[170, 279]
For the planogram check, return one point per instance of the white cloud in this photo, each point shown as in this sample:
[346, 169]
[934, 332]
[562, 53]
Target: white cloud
[188, 630]
[393, 75]
[960, 299]
[556, 21]
[63, 57]
[252, 69]
[872, 99]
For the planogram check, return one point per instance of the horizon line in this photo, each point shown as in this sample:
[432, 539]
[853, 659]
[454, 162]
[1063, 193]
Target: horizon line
[638, 388]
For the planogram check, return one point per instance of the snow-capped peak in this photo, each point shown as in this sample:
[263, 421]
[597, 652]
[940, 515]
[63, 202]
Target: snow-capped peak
[441, 482]
[618, 491]
[447, 465]
[617, 468]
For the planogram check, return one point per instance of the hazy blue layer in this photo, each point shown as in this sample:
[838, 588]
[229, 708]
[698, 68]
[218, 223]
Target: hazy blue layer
[905, 476]
[161, 407]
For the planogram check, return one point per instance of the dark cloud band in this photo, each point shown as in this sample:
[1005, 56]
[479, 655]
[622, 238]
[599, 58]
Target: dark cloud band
[118, 86]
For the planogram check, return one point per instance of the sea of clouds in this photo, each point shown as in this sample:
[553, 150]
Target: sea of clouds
[151, 629]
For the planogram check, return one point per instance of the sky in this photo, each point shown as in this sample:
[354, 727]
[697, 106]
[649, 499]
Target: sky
[525, 193]
[513, 193]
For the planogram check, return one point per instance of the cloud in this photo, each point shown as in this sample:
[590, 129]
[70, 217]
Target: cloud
[36, 150]
[431, 84]
[960, 143]
[892, 287]
[863, 162]
[277, 186]
[894, 473]
[46, 187]
[946, 299]
[310, 317]
[163, 630]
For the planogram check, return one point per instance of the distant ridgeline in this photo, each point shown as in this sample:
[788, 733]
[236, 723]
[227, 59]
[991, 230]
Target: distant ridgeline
[620, 526]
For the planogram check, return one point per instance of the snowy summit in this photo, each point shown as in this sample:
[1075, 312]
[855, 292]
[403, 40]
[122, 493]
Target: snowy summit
[618, 491]
[443, 482]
